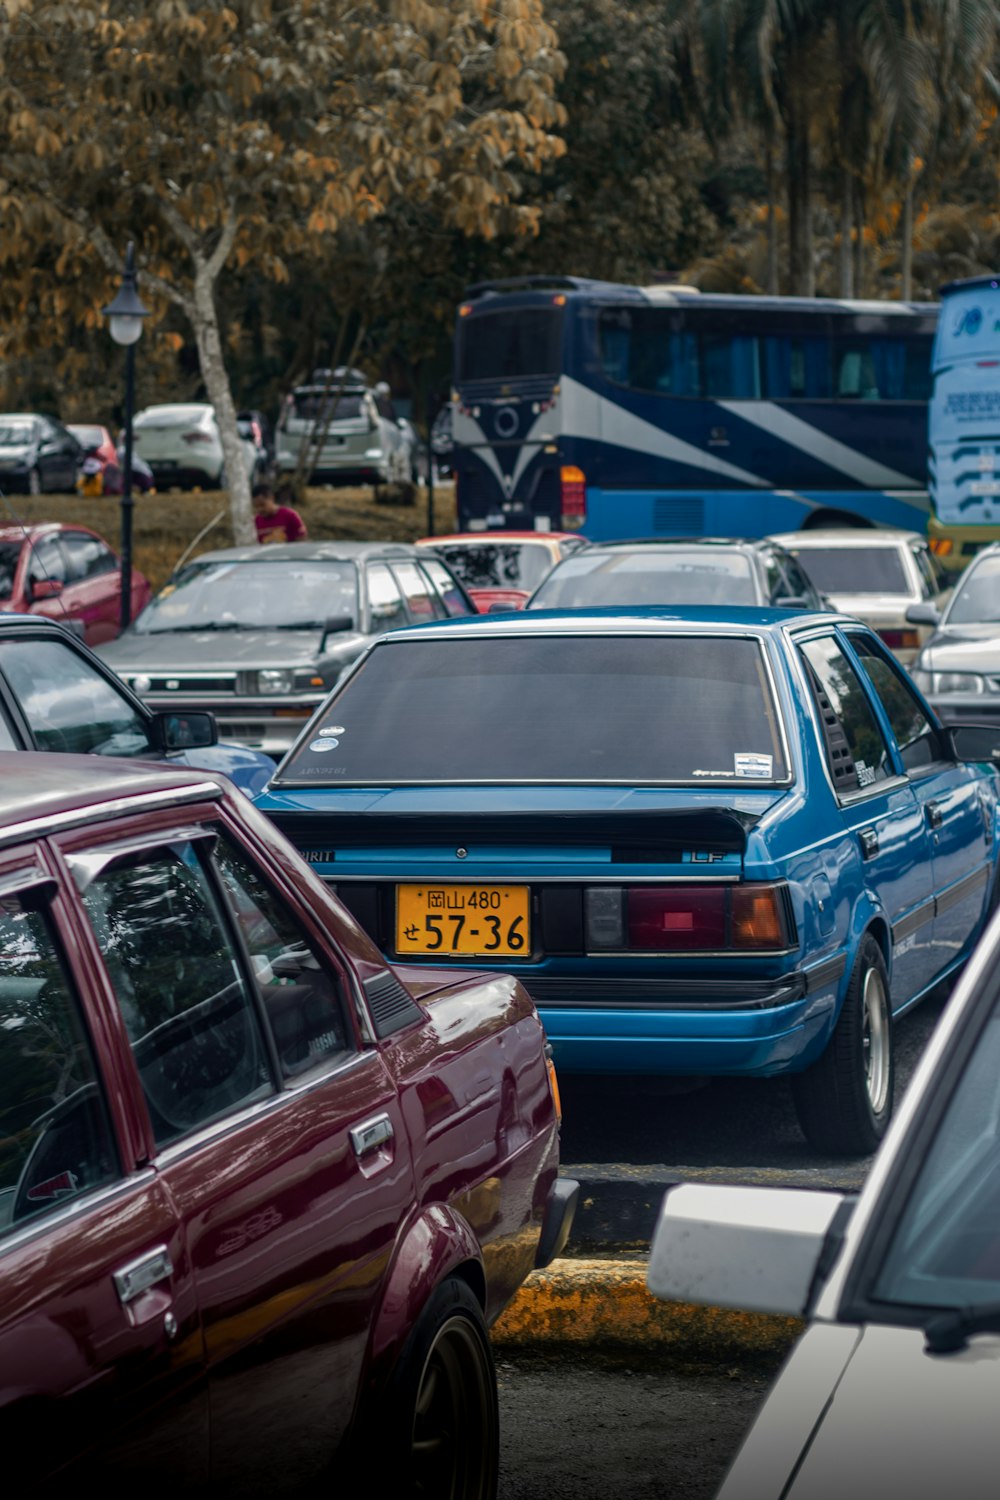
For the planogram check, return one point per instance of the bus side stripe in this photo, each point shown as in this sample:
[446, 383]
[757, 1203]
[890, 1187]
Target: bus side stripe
[798, 434]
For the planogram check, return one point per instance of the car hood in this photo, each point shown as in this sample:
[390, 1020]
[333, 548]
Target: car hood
[901, 1421]
[221, 650]
[963, 648]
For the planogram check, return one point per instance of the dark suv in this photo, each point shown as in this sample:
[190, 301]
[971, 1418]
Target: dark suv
[260, 635]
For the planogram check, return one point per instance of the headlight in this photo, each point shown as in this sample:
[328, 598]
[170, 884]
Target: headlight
[954, 682]
[274, 680]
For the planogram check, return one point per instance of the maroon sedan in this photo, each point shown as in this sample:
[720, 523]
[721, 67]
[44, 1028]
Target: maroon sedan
[261, 1194]
[68, 573]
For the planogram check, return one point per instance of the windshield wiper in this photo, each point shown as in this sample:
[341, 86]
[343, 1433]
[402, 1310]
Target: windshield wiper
[204, 625]
[948, 1332]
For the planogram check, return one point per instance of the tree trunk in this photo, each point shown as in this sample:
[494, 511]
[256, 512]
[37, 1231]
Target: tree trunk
[801, 272]
[859, 241]
[213, 369]
[845, 279]
[906, 239]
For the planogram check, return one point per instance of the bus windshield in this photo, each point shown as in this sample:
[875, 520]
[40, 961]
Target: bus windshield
[508, 343]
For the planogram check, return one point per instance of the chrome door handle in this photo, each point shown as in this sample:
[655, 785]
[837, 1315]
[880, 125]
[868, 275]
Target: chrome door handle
[935, 816]
[869, 843]
[372, 1134]
[139, 1275]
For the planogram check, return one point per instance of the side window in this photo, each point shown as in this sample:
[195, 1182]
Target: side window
[68, 704]
[799, 586]
[195, 1033]
[87, 557]
[302, 1000]
[417, 591]
[386, 608]
[856, 751]
[47, 562]
[777, 586]
[454, 600]
[915, 734]
[55, 1137]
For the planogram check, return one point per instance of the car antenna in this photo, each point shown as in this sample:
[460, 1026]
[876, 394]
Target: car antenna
[18, 521]
[203, 532]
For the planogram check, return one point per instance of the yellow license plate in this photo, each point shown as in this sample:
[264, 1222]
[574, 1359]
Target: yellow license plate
[479, 921]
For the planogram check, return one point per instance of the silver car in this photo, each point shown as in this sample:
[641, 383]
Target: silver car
[875, 575]
[959, 667]
[348, 431]
[893, 1387]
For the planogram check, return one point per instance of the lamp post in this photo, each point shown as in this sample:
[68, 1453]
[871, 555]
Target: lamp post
[126, 313]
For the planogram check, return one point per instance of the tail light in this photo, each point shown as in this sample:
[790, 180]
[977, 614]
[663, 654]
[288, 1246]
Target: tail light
[196, 437]
[896, 639]
[941, 546]
[572, 497]
[752, 918]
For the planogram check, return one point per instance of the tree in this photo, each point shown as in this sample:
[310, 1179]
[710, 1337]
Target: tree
[247, 133]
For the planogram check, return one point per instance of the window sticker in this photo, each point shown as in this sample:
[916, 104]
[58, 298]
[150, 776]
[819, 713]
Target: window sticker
[332, 730]
[320, 746]
[750, 764]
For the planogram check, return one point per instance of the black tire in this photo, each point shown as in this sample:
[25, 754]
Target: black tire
[844, 1101]
[443, 1427]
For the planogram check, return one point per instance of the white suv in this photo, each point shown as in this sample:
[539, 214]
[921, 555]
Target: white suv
[350, 428]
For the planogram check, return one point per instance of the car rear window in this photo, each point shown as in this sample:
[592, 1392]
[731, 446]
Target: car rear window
[635, 578]
[856, 570]
[171, 416]
[497, 565]
[557, 708]
[315, 406]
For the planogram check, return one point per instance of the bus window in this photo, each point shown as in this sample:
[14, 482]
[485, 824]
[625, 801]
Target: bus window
[796, 367]
[503, 345]
[643, 350]
[731, 367]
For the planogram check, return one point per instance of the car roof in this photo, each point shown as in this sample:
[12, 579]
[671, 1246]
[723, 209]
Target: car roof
[501, 536]
[687, 543]
[32, 530]
[318, 551]
[40, 790]
[620, 620]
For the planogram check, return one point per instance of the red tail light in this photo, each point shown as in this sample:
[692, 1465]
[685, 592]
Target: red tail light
[196, 437]
[572, 497]
[690, 918]
[896, 639]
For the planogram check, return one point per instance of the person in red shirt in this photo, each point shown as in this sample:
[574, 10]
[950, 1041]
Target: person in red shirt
[274, 522]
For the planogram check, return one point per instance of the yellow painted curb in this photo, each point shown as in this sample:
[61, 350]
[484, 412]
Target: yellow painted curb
[606, 1303]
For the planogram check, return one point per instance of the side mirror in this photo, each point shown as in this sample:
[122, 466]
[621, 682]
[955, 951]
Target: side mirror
[758, 1249]
[334, 626]
[500, 607]
[923, 614]
[793, 601]
[46, 588]
[979, 743]
[194, 731]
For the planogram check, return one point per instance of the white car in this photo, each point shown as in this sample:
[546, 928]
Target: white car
[893, 1387]
[348, 429]
[180, 442]
[875, 574]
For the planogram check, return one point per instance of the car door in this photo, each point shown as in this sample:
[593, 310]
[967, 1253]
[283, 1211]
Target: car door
[878, 809]
[279, 1136]
[959, 822]
[101, 1357]
[93, 586]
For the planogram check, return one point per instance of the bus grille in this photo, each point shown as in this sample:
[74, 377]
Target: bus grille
[679, 517]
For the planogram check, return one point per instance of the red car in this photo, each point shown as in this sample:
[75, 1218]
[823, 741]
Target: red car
[261, 1193]
[503, 567]
[68, 573]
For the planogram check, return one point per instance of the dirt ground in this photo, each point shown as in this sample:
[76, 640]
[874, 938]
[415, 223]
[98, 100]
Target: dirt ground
[593, 1428]
[165, 524]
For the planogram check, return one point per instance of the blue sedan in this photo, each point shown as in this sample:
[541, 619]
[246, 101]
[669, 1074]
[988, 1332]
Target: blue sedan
[708, 841]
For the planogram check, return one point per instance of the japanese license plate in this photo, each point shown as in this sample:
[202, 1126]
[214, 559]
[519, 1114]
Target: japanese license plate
[484, 921]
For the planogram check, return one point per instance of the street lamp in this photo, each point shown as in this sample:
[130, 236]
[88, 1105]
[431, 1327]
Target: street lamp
[126, 313]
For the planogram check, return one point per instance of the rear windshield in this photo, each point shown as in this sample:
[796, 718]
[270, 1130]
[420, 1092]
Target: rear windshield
[171, 416]
[497, 565]
[856, 570]
[634, 709]
[634, 578]
[315, 406]
[508, 343]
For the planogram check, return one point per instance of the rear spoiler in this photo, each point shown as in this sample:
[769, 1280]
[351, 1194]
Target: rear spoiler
[636, 835]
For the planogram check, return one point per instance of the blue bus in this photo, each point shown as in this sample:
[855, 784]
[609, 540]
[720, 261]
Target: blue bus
[964, 422]
[664, 411]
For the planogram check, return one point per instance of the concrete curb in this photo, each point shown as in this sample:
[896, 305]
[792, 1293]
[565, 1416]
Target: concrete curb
[605, 1305]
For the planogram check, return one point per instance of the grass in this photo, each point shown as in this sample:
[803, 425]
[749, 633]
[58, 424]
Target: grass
[165, 524]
